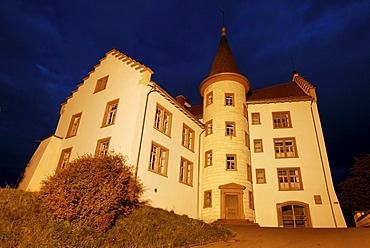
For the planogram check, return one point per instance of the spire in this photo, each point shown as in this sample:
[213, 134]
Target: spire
[224, 60]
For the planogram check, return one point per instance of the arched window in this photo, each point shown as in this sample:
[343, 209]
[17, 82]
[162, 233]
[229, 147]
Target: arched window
[293, 214]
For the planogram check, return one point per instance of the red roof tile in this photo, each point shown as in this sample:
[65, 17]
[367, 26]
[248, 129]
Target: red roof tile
[224, 60]
[197, 110]
[282, 92]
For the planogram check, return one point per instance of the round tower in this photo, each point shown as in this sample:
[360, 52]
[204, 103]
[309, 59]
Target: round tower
[226, 174]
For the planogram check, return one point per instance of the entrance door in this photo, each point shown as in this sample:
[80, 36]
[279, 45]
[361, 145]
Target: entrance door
[231, 204]
[294, 215]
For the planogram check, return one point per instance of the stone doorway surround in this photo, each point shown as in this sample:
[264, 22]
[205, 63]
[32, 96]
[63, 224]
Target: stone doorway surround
[232, 197]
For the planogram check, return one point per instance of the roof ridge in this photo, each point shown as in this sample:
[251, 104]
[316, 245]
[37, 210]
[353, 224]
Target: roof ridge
[120, 56]
[307, 87]
[272, 86]
[129, 61]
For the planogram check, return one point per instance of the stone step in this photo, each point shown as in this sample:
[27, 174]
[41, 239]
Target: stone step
[235, 222]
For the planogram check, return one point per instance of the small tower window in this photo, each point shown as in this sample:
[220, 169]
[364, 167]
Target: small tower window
[208, 157]
[209, 127]
[231, 162]
[209, 98]
[230, 129]
[207, 199]
[229, 99]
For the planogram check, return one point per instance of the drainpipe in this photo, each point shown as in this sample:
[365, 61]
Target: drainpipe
[199, 155]
[323, 168]
[153, 89]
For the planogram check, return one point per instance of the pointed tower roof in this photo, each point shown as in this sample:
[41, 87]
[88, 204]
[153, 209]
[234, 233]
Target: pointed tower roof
[224, 60]
[224, 67]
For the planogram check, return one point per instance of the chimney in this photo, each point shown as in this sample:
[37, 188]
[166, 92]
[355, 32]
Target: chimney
[183, 101]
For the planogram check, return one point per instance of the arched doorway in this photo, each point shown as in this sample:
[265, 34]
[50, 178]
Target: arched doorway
[293, 214]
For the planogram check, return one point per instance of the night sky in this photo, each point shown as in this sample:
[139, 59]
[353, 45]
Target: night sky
[48, 47]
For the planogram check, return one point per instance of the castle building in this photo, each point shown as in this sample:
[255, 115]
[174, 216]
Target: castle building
[258, 156]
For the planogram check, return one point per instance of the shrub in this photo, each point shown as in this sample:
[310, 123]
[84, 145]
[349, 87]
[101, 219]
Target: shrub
[354, 194]
[92, 191]
[24, 223]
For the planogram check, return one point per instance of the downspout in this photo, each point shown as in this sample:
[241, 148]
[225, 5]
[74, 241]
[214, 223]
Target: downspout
[199, 155]
[322, 166]
[153, 89]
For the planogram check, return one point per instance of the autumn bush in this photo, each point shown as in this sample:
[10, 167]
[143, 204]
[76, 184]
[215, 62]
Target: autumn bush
[92, 191]
[24, 223]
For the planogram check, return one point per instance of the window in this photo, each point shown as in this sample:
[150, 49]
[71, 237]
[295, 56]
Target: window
[256, 118]
[293, 214]
[110, 113]
[208, 199]
[102, 147]
[317, 199]
[258, 147]
[251, 200]
[289, 179]
[187, 137]
[101, 84]
[186, 172]
[260, 176]
[231, 162]
[209, 128]
[285, 148]
[230, 128]
[209, 98]
[163, 120]
[281, 119]
[249, 173]
[64, 159]
[208, 157]
[247, 140]
[158, 159]
[229, 99]
[73, 125]
[245, 110]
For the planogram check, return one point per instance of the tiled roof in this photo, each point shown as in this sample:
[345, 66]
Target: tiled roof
[282, 92]
[197, 110]
[224, 60]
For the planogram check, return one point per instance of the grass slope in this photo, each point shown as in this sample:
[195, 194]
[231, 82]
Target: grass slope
[24, 224]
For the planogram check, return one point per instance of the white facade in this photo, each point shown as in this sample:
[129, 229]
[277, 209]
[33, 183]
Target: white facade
[311, 159]
[128, 85]
[216, 163]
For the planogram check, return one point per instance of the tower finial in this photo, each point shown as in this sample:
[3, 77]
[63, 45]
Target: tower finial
[223, 29]
[223, 15]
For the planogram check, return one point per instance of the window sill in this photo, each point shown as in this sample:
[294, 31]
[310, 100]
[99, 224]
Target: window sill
[102, 126]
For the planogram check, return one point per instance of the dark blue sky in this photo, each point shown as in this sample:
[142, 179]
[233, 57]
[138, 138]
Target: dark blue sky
[48, 47]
